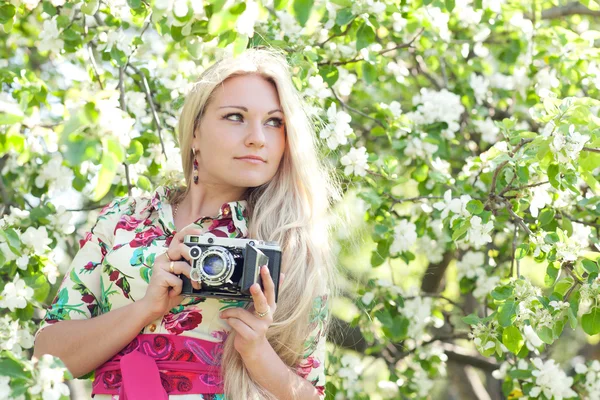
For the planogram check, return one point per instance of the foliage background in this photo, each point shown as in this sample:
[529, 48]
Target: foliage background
[467, 133]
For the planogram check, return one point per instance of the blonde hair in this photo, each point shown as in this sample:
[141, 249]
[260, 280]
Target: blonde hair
[291, 209]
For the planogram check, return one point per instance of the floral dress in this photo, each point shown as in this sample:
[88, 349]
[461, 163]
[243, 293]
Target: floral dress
[113, 267]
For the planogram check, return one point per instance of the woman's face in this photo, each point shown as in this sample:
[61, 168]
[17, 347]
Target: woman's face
[244, 119]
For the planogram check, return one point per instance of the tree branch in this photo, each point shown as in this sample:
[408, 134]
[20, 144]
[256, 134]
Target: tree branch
[591, 149]
[344, 105]
[573, 8]
[464, 356]
[152, 107]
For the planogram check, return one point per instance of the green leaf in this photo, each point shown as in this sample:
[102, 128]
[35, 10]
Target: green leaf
[512, 339]
[462, 230]
[144, 183]
[551, 274]
[420, 173]
[475, 207]
[545, 334]
[502, 293]
[369, 72]
[400, 328]
[589, 265]
[134, 152]
[12, 368]
[344, 16]
[546, 216]
[552, 172]
[302, 9]
[471, 319]
[90, 7]
[364, 36]
[240, 44]
[7, 12]
[590, 322]
[450, 4]
[330, 74]
[507, 313]
[112, 155]
[521, 251]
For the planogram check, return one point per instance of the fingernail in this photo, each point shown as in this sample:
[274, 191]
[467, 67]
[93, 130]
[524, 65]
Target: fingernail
[266, 269]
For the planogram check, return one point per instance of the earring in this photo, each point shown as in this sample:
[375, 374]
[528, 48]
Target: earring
[195, 173]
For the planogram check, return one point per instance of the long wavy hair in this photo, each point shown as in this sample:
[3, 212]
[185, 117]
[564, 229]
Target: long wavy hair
[291, 209]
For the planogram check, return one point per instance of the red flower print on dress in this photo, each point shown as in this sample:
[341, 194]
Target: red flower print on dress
[183, 321]
[88, 298]
[146, 237]
[128, 223]
[306, 366]
[87, 238]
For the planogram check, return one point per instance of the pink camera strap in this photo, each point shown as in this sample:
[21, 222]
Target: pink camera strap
[156, 366]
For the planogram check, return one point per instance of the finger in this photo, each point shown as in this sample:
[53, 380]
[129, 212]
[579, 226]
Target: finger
[261, 304]
[179, 236]
[171, 281]
[269, 287]
[281, 279]
[241, 328]
[181, 267]
[255, 323]
[179, 251]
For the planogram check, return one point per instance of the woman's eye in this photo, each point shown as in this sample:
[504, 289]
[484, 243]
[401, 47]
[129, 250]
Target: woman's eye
[278, 122]
[234, 115]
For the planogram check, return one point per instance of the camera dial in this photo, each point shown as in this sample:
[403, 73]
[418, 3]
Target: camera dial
[195, 252]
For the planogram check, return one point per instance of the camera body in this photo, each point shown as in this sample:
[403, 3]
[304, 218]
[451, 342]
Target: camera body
[227, 267]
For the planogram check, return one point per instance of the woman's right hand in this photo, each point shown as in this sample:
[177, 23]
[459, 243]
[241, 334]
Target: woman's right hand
[163, 291]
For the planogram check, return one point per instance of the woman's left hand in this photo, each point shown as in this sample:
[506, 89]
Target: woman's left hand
[251, 329]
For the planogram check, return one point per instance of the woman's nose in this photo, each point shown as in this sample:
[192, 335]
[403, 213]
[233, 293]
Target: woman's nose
[255, 136]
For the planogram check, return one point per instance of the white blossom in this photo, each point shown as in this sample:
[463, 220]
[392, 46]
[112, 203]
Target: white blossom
[489, 130]
[405, 236]
[5, 389]
[36, 238]
[417, 148]
[317, 87]
[478, 234]
[551, 380]
[367, 298]
[246, 21]
[539, 199]
[484, 285]
[533, 340]
[15, 337]
[470, 265]
[480, 86]
[16, 294]
[345, 82]
[457, 206]
[49, 379]
[49, 37]
[337, 131]
[399, 22]
[567, 147]
[355, 161]
[57, 176]
[438, 106]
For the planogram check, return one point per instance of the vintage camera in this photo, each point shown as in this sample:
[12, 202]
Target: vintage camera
[228, 267]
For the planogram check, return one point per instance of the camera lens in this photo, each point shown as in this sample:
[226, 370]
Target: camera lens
[213, 265]
[216, 265]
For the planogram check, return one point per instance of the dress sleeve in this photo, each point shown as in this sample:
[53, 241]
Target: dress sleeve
[312, 366]
[79, 294]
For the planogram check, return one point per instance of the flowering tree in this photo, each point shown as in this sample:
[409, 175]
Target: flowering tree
[466, 132]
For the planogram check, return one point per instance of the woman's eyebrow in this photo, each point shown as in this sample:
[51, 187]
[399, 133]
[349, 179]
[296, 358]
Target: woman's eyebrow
[245, 109]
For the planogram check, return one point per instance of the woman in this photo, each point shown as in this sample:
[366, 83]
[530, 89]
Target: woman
[251, 170]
